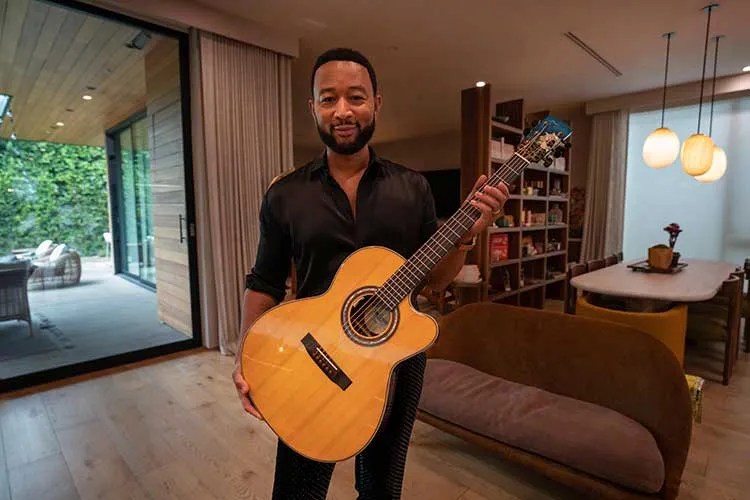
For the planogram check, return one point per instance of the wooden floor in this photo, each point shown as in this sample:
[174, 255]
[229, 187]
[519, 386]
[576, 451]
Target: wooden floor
[174, 429]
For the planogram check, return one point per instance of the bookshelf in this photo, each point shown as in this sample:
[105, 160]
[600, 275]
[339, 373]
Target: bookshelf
[523, 257]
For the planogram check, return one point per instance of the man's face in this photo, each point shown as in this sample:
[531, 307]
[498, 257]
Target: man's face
[344, 106]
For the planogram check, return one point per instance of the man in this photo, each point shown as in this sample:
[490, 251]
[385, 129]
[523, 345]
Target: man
[319, 214]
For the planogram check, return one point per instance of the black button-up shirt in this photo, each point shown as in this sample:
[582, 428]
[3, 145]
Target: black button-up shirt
[306, 217]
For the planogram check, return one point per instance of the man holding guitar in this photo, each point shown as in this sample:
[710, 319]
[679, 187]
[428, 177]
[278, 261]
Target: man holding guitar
[317, 216]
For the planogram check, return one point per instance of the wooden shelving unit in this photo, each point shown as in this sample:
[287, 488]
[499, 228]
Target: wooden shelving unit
[530, 267]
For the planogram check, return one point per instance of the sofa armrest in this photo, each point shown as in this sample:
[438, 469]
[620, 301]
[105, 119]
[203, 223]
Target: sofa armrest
[609, 364]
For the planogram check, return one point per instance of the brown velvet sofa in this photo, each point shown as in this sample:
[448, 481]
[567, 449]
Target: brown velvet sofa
[600, 407]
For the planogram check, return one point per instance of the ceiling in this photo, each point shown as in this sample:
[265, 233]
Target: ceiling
[50, 57]
[426, 51]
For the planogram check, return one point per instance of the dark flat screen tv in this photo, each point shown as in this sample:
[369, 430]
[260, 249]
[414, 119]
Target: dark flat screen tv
[446, 189]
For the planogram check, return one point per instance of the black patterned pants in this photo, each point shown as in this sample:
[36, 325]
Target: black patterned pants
[379, 468]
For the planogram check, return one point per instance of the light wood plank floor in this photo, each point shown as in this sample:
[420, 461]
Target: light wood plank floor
[173, 428]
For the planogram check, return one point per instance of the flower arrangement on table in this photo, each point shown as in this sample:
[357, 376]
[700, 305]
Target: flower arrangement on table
[662, 256]
[674, 231]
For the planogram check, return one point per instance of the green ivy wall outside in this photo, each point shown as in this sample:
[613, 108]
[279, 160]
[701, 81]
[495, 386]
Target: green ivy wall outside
[53, 191]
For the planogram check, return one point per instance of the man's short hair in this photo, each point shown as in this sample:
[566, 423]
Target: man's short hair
[344, 54]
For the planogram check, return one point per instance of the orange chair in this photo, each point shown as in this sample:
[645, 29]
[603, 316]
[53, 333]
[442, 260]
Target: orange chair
[668, 326]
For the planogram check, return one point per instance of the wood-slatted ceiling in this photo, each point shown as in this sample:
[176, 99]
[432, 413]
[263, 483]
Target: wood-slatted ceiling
[51, 56]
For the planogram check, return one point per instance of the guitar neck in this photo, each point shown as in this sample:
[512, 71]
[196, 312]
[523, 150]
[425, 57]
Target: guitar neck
[413, 272]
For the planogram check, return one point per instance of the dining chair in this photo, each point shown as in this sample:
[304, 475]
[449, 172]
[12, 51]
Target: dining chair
[718, 319]
[571, 292]
[610, 260]
[594, 264]
[746, 306]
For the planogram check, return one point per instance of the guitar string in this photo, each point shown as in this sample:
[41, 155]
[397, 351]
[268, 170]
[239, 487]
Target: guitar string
[467, 218]
[368, 310]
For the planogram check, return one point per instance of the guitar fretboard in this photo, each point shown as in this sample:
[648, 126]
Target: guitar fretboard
[414, 271]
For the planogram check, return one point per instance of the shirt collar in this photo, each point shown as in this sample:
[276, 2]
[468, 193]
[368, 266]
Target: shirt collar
[320, 163]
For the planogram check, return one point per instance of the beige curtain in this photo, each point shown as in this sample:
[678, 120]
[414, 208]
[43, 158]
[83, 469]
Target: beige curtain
[242, 129]
[604, 214]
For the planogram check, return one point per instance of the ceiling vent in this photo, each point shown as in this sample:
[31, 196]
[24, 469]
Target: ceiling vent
[586, 48]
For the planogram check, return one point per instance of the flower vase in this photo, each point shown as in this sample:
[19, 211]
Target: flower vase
[675, 258]
[660, 257]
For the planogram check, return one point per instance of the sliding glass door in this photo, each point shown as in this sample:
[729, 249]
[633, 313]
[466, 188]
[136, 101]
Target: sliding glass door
[135, 226]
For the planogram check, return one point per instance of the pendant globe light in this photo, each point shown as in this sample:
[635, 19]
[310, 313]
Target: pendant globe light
[662, 145]
[719, 162]
[697, 152]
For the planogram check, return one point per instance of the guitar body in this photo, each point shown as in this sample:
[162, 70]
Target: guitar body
[320, 368]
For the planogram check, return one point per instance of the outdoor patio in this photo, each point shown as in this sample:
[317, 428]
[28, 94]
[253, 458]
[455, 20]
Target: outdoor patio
[101, 316]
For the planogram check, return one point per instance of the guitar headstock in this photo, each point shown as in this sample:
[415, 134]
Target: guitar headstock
[548, 138]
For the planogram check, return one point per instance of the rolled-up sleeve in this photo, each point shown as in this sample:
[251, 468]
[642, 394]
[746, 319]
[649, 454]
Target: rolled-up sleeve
[273, 260]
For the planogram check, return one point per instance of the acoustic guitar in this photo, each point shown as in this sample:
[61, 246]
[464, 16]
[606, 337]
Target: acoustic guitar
[320, 368]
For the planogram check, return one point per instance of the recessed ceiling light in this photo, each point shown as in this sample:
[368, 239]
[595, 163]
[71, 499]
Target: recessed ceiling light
[481, 84]
[87, 97]
[746, 68]
[60, 124]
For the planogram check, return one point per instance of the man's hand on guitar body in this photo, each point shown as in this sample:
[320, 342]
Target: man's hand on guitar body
[253, 306]
[242, 391]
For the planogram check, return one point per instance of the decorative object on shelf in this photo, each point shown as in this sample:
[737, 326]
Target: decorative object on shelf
[529, 247]
[556, 188]
[498, 247]
[697, 152]
[719, 162]
[504, 220]
[662, 145]
[538, 219]
[555, 214]
[469, 274]
[506, 280]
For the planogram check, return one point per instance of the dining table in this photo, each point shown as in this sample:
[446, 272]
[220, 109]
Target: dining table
[694, 281]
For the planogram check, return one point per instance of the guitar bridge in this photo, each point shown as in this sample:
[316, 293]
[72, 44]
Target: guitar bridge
[325, 363]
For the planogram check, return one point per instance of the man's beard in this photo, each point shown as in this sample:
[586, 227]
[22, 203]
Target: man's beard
[363, 137]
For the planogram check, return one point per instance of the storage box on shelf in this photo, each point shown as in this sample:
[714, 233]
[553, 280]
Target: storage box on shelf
[522, 258]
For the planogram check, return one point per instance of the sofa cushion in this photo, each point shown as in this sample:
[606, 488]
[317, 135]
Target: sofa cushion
[579, 434]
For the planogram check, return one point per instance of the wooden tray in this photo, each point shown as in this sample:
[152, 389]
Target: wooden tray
[643, 267]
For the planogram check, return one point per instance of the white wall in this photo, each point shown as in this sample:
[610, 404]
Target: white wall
[715, 217]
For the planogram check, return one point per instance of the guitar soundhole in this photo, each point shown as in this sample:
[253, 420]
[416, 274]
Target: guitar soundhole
[365, 318]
